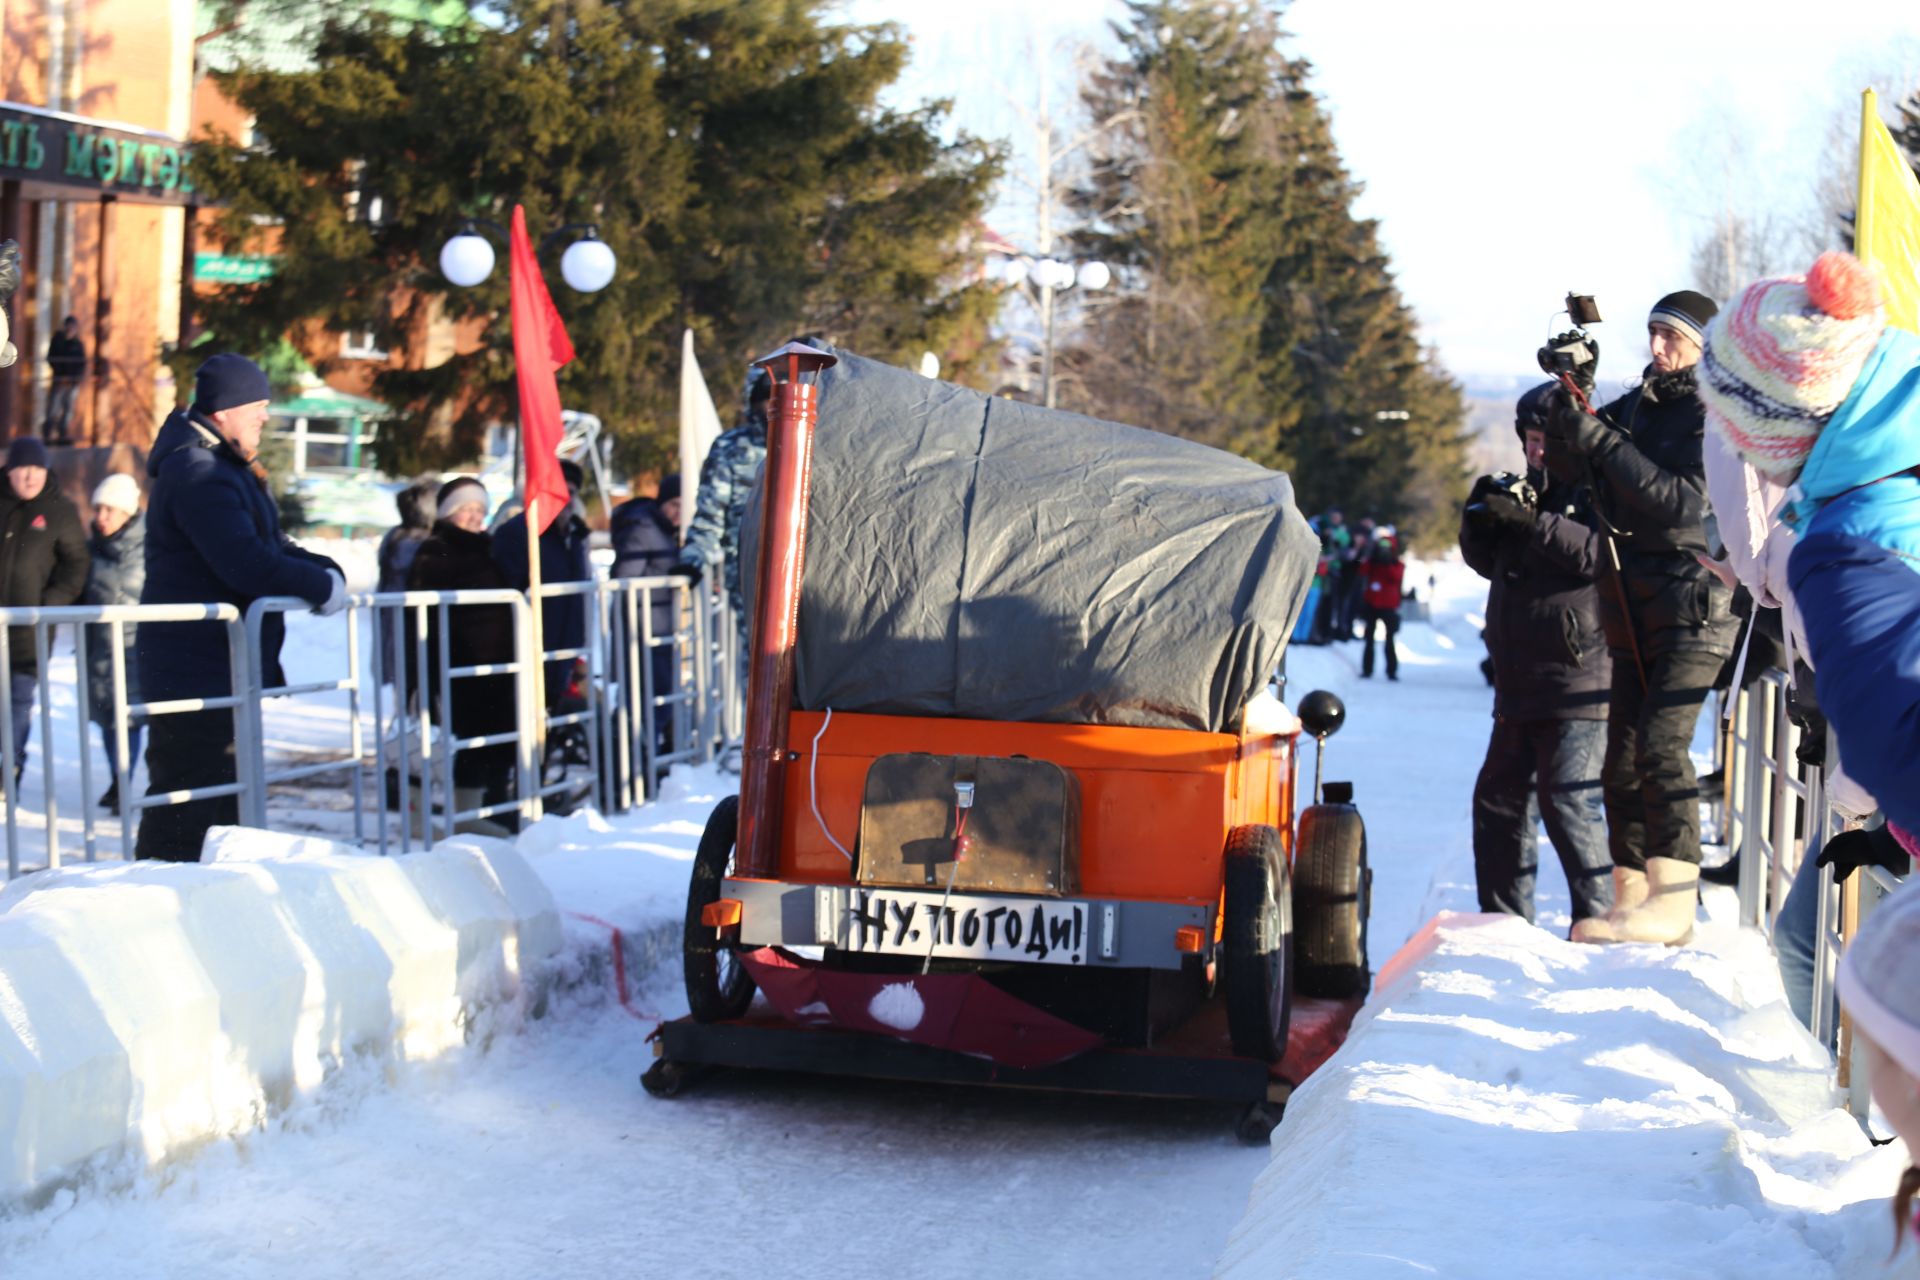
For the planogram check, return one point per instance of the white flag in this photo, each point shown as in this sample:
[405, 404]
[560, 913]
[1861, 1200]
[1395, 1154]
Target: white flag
[699, 428]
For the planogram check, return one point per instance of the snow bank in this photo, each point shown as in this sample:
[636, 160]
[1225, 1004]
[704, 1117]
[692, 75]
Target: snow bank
[149, 1007]
[1511, 1104]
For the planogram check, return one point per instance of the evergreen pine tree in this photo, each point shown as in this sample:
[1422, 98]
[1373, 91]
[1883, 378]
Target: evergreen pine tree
[733, 153]
[1254, 310]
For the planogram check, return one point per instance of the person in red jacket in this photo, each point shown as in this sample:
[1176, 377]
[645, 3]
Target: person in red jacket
[1380, 579]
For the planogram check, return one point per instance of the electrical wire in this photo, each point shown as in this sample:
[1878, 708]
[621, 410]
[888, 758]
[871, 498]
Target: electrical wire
[813, 787]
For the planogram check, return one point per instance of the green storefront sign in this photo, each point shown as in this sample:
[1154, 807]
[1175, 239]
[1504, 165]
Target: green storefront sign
[54, 149]
[221, 268]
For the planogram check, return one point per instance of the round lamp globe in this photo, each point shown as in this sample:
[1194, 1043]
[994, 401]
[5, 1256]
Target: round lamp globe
[466, 260]
[587, 266]
[1095, 276]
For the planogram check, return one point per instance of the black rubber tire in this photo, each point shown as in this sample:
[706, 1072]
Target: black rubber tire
[1333, 895]
[1256, 944]
[664, 1079]
[718, 985]
[1257, 1123]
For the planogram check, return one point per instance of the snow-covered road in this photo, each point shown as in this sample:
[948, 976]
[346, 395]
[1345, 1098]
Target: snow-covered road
[541, 1155]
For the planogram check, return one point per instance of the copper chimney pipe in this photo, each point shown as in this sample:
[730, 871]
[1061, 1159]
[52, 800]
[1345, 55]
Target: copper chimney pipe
[788, 473]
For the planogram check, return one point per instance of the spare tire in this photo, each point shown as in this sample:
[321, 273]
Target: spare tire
[1333, 890]
[1256, 943]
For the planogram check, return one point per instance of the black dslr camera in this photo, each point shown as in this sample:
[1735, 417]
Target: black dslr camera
[1511, 483]
[1574, 353]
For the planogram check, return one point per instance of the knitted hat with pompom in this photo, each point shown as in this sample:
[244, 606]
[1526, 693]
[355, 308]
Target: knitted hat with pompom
[1783, 357]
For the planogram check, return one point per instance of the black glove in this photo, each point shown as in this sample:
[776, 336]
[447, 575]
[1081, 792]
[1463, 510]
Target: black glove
[1573, 435]
[1508, 514]
[691, 572]
[1849, 851]
[1481, 488]
[1583, 376]
[1804, 710]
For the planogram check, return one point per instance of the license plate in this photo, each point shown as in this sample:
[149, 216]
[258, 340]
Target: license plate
[902, 922]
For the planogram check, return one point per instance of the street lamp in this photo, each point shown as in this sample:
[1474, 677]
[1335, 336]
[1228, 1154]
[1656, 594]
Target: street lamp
[587, 266]
[1051, 276]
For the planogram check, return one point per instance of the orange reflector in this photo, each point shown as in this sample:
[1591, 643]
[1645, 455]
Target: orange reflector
[720, 914]
[1189, 938]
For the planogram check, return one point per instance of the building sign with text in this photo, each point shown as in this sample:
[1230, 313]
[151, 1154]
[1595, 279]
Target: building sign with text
[54, 149]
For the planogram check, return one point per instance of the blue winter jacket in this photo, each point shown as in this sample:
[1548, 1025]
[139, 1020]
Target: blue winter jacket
[213, 536]
[1855, 574]
[1861, 603]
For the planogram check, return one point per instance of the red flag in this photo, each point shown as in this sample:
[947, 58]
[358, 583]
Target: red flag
[540, 347]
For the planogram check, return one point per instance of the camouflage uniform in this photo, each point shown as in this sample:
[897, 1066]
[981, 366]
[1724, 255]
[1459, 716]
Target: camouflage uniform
[726, 481]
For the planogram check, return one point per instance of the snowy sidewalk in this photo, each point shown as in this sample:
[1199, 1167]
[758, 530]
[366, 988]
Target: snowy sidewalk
[1516, 1105]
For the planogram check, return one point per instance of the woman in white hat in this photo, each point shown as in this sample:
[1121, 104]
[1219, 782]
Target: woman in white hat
[119, 547]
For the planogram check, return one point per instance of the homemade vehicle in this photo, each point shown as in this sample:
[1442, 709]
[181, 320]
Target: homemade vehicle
[1111, 907]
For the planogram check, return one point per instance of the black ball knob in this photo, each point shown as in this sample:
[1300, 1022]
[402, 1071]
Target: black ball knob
[1322, 713]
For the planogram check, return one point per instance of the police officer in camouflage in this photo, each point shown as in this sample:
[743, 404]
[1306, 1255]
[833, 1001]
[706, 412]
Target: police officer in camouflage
[726, 482]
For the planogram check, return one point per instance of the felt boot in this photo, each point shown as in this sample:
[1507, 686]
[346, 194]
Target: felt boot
[1673, 890]
[1629, 893]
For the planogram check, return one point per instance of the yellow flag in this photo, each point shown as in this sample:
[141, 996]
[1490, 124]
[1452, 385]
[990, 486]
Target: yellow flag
[1886, 229]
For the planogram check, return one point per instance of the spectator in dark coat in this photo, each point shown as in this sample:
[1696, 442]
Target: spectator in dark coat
[119, 571]
[67, 360]
[563, 558]
[1641, 457]
[646, 544]
[458, 555]
[43, 563]
[397, 549]
[213, 535]
[1551, 676]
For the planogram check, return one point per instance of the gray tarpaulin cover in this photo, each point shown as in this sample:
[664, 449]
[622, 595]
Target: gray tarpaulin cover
[983, 558]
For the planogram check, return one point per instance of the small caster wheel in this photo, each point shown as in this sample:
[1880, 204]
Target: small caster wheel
[1258, 1121]
[664, 1079]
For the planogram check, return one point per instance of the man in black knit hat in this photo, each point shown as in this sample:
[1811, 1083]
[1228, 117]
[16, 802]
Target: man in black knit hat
[1669, 622]
[213, 535]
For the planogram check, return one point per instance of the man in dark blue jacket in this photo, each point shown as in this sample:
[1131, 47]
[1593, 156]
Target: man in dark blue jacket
[213, 535]
[1551, 680]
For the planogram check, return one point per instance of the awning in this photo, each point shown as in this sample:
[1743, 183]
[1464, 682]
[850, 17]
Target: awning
[324, 401]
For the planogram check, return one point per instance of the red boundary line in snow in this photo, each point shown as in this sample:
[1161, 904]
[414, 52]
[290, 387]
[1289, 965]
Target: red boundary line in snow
[619, 966]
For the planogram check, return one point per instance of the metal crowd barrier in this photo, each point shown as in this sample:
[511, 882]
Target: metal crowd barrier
[641, 715]
[116, 618]
[1777, 815]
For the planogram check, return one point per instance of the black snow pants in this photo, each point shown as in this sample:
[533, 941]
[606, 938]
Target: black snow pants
[186, 750]
[1653, 797]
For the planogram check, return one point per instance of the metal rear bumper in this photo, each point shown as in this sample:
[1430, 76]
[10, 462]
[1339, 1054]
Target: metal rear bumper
[1122, 933]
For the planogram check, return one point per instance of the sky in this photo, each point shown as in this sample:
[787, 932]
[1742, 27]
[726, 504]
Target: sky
[1510, 150]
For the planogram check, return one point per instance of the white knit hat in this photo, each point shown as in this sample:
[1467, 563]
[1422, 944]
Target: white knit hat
[1784, 356]
[119, 491]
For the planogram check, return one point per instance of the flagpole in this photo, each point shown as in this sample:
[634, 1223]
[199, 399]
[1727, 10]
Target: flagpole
[1869, 114]
[538, 611]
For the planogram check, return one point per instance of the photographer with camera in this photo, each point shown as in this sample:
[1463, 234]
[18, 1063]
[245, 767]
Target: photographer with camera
[1533, 538]
[1668, 619]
